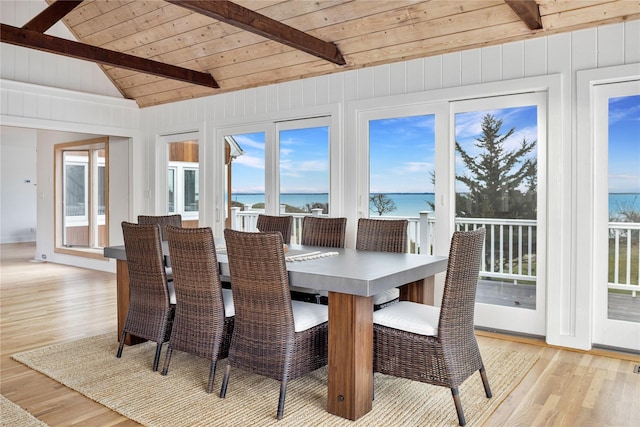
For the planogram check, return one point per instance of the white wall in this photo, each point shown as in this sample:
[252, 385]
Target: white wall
[18, 182]
[42, 68]
[559, 56]
[60, 115]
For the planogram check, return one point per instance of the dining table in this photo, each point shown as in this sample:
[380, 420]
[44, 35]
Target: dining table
[351, 278]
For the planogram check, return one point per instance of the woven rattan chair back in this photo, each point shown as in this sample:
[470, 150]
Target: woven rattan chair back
[459, 295]
[264, 339]
[276, 223]
[321, 231]
[200, 326]
[453, 355]
[382, 235]
[162, 221]
[150, 314]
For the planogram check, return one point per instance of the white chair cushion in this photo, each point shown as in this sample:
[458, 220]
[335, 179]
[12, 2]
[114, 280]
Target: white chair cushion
[421, 319]
[172, 292]
[227, 298]
[386, 296]
[307, 315]
[381, 298]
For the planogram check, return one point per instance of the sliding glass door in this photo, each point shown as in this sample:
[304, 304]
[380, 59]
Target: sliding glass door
[499, 185]
[617, 215]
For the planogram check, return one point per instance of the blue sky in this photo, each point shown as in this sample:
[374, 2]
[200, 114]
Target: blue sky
[624, 144]
[469, 128]
[248, 169]
[304, 162]
[402, 151]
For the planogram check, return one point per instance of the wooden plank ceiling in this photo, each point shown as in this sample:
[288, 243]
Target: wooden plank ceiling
[199, 52]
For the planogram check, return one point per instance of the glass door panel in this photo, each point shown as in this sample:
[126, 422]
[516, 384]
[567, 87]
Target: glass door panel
[84, 198]
[302, 180]
[245, 177]
[402, 173]
[497, 187]
[76, 199]
[183, 180]
[617, 295]
[304, 170]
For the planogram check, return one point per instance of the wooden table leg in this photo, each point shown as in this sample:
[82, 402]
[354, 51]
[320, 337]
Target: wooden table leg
[350, 388]
[122, 283]
[421, 291]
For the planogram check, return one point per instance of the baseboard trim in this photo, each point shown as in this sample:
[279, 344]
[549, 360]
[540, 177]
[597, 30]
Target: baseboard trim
[616, 353]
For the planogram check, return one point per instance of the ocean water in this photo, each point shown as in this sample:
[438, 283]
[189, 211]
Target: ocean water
[410, 204]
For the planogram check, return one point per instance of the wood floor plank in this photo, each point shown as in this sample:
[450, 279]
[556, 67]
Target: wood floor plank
[44, 303]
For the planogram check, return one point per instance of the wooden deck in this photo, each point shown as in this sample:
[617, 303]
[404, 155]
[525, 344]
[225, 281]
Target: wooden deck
[621, 307]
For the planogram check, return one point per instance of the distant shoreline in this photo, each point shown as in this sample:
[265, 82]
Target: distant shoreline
[400, 193]
[312, 194]
[410, 204]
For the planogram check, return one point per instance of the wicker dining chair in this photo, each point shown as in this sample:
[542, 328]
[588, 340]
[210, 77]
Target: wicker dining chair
[382, 236]
[203, 321]
[273, 336]
[324, 232]
[436, 345]
[276, 223]
[162, 221]
[150, 312]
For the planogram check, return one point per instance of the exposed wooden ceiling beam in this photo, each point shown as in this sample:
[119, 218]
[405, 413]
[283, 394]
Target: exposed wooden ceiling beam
[47, 43]
[528, 12]
[248, 20]
[52, 14]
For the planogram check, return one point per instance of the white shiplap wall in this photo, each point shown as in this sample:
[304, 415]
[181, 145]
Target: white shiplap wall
[562, 54]
[46, 69]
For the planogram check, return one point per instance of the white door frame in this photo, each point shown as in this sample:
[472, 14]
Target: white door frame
[529, 321]
[606, 332]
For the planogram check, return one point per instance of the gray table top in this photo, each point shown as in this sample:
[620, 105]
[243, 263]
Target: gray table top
[350, 271]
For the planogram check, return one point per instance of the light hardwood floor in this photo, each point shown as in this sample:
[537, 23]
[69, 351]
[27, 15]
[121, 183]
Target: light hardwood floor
[44, 303]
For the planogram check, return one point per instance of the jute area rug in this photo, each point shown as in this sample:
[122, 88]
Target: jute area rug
[130, 387]
[12, 415]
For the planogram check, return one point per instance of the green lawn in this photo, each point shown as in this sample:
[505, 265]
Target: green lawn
[622, 264]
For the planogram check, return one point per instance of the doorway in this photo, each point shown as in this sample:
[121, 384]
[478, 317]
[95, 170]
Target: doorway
[616, 112]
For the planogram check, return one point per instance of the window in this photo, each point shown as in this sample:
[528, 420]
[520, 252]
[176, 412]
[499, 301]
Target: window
[82, 197]
[398, 153]
[246, 170]
[304, 165]
[401, 166]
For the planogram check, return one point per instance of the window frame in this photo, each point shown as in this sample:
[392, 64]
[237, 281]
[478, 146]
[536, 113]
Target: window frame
[93, 146]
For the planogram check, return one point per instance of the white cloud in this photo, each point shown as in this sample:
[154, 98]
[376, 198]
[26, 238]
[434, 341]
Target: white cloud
[250, 161]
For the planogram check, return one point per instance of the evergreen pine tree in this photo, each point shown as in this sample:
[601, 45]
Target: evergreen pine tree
[502, 184]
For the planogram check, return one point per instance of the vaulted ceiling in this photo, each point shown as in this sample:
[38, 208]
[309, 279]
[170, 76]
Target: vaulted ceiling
[157, 51]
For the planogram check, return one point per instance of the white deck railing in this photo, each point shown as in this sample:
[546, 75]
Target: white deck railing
[510, 249]
[624, 240]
